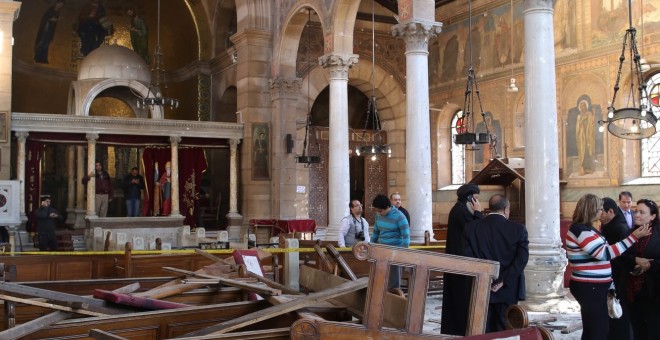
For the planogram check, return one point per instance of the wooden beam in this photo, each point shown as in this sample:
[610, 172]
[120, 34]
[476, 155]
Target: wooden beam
[103, 335]
[128, 289]
[284, 308]
[325, 263]
[93, 305]
[229, 282]
[81, 310]
[34, 325]
[243, 272]
[163, 292]
[340, 261]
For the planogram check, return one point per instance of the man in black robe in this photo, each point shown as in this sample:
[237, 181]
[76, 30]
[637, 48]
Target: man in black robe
[457, 288]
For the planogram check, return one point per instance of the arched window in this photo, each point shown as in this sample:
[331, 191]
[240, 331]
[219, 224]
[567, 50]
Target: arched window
[651, 146]
[457, 151]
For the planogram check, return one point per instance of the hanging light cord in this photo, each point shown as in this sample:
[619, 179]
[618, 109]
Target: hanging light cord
[372, 110]
[635, 66]
[468, 104]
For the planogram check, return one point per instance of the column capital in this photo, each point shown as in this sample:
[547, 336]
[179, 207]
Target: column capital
[338, 64]
[548, 5]
[92, 137]
[233, 143]
[10, 7]
[175, 140]
[22, 136]
[417, 33]
[281, 87]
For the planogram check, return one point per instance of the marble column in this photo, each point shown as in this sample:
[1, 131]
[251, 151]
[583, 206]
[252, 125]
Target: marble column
[547, 260]
[9, 11]
[338, 166]
[21, 136]
[416, 33]
[174, 192]
[284, 95]
[233, 217]
[91, 169]
[80, 189]
[71, 185]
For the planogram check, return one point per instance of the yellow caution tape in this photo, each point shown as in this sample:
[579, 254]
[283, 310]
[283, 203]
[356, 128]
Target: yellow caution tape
[185, 251]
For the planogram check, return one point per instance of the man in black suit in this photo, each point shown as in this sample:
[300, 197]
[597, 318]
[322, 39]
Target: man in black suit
[615, 228]
[457, 288]
[496, 238]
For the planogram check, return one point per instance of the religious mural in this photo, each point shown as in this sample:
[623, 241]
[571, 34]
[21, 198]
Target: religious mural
[584, 143]
[260, 151]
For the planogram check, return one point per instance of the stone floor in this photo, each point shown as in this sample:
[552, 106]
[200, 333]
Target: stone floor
[566, 312]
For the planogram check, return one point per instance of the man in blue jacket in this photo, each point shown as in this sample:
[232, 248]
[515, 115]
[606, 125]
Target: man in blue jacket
[391, 228]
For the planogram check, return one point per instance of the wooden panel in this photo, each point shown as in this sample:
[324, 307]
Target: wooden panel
[78, 270]
[33, 272]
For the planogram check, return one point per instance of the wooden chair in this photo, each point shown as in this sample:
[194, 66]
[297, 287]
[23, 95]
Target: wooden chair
[422, 264]
[210, 216]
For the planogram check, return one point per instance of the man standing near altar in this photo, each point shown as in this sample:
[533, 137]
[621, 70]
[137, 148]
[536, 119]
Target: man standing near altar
[104, 193]
[133, 186]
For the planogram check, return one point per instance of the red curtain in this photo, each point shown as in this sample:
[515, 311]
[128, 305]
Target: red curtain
[34, 150]
[192, 163]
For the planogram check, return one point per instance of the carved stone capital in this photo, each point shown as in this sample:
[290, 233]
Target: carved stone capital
[338, 64]
[417, 34]
[175, 140]
[22, 136]
[285, 87]
[233, 143]
[92, 137]
[545, 5]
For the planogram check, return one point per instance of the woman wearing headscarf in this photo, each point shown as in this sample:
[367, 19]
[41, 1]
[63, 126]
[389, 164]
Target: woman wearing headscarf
[589, 256]
[643, 280]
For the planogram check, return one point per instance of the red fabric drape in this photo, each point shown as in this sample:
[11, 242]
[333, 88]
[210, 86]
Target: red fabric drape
[33, 153]
[192, 163]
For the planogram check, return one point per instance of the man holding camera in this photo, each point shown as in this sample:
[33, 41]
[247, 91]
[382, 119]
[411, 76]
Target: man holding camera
[353, 228]
[46, 218]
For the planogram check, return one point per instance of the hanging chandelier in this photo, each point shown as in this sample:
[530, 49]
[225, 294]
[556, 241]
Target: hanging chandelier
[154, 95]
[306, 158]
[373, 120]
[637, 121]
[466, 136]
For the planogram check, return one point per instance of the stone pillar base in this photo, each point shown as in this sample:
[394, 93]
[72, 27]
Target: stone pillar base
[234, 219]
[79, 221]
[544, 278]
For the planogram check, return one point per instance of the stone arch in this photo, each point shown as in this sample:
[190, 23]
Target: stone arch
[339, 38]
[202, 28]
[441, 141]
[138, 87]
[286, 52]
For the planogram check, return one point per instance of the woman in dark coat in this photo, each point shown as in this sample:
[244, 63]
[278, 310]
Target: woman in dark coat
[643, 286]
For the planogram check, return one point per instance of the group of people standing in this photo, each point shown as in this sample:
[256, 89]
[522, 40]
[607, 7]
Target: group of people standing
[624, 256]
[391, 227]
[492, 237]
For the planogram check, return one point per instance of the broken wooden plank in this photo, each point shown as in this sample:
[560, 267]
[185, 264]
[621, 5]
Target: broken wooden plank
[242, 271]
[136, 301]
[83, 310]
[572, 327]
[229, 282]
[284, 308]
[340, 261]
[163, 292]
[94, 305]
[325, 263]
[316, 280]
[103, 335]
[30, 327]
[128, 288]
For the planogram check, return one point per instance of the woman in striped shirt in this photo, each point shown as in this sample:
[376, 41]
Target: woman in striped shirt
[589, 256]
